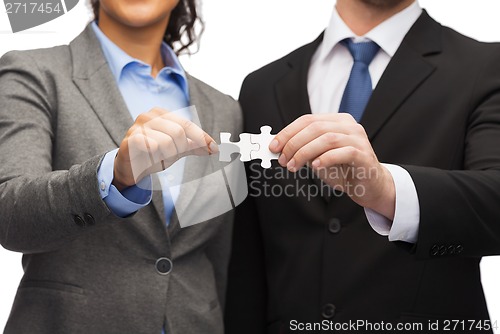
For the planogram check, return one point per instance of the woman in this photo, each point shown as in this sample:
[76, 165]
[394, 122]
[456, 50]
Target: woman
[97, 257]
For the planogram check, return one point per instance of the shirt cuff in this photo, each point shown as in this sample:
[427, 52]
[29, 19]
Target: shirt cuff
[130, 199]
[406, 221]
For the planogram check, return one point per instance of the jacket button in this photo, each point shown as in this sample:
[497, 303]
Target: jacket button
[442, 250]
[334, 226]
[79, 221]
[163, 266]
[435, 250]
[89, 219]
[459, 249]
[328, 311]
[451, 250]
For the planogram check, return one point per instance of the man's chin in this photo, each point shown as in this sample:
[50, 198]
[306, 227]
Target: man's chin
[383, 4]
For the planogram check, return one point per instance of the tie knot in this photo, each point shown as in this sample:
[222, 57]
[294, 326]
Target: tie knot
[363, 52]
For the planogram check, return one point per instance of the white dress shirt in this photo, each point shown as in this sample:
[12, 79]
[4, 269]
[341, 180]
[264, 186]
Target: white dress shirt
[328, 75]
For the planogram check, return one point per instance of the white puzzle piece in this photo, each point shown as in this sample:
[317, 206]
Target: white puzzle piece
[250, 147]
[243, 147]
[264, 154]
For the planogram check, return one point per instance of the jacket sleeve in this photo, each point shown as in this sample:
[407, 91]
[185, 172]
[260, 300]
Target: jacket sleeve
[40, 209]
[460, 209]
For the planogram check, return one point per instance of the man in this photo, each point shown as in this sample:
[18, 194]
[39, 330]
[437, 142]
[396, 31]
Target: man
[349, 238]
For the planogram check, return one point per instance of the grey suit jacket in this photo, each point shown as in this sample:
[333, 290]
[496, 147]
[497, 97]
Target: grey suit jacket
[86, 270]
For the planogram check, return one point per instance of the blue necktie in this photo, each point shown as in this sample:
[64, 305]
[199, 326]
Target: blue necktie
[359, 87]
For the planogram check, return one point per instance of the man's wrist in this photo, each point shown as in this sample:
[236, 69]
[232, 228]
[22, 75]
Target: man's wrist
[385, 202]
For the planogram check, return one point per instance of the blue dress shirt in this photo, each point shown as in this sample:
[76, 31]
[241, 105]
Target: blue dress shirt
[142, 92]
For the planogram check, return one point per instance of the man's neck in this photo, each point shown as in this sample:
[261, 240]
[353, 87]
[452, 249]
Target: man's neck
[141, 43]
[361, 17]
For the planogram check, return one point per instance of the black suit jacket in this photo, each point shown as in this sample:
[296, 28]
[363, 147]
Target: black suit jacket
[435, 112]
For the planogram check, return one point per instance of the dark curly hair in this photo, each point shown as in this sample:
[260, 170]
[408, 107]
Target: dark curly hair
[181, 30]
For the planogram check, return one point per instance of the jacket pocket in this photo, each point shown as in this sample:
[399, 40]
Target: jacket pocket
[51, 285]
[46, 307]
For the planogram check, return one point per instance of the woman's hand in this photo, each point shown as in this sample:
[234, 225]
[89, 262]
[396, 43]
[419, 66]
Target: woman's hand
[157, 139]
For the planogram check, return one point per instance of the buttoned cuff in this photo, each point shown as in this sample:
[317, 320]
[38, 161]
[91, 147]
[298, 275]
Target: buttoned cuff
[130, 199]
[406, 221]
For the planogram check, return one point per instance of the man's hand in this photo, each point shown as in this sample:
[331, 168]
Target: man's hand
[157, 139]
[338, 150]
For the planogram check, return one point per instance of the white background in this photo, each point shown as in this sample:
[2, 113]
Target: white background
[241, 36]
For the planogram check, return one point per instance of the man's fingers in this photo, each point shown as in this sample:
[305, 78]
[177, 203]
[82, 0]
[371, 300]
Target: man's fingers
[311, 132]
[320, 145]
[304, 121]
[290, 131]
[347, 155]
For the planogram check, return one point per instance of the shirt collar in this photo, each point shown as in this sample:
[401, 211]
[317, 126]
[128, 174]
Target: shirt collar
[388, 35]
[119, 59]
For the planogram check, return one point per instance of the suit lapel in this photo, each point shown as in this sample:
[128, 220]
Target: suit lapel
[195, 167]
[291, 89]
[292, 94]
[407, 70]
[92, 76]
[94, 79]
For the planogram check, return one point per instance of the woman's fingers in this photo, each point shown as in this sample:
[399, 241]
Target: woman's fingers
[155, 141]
[173, 130]
[192, 131]
[188, 137]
